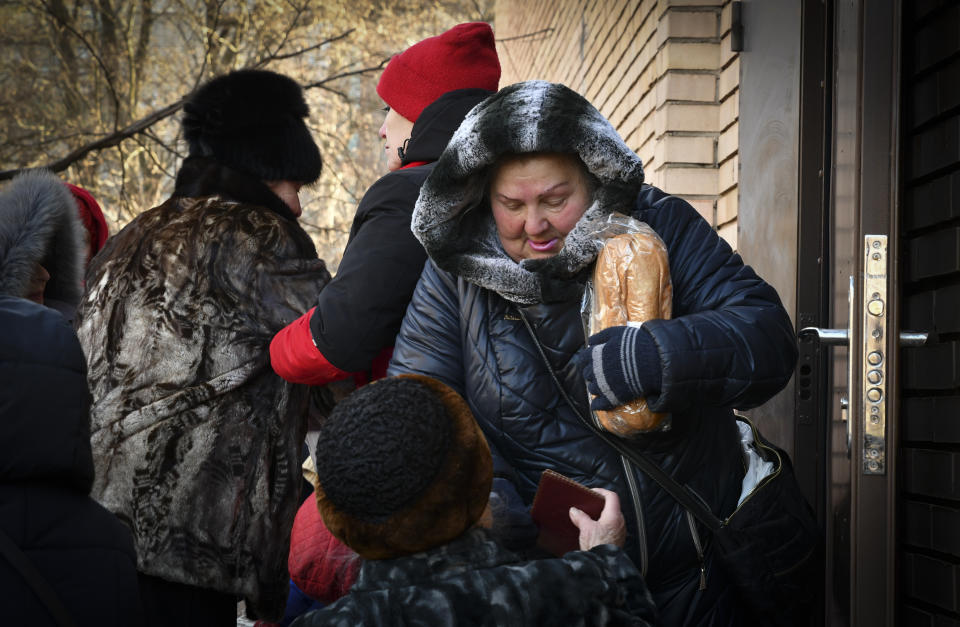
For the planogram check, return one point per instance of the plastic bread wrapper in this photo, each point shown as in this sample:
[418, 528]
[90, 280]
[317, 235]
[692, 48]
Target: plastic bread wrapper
[630, 284]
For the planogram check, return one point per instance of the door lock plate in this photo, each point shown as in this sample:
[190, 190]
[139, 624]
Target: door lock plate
[873, 382]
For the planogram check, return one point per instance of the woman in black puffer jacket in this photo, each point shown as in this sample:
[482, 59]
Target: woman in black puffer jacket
[511, 250]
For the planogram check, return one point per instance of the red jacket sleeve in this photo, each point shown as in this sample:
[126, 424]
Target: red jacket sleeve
[294, 356]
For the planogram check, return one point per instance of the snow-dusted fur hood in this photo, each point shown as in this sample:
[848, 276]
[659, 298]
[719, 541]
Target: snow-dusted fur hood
[534, 116]
[40, 223]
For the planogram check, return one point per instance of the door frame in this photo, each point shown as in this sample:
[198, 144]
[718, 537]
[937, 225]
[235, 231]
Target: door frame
[812, 423]
[864, 199]
[873, 518]
[849, 187]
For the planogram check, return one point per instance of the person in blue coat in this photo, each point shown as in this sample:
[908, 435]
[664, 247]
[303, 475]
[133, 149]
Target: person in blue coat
[507, 218]
[81, 551]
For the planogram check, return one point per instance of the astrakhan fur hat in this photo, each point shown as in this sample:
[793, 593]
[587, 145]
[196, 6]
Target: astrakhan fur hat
[402, 467]
[528, 117]
[253, 121]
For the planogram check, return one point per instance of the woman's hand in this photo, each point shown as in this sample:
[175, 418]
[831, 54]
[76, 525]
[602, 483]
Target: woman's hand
[620, 365]
[610, 528]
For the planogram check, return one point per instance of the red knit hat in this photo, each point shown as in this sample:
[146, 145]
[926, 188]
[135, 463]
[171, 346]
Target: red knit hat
[463, 57]
[92, 217]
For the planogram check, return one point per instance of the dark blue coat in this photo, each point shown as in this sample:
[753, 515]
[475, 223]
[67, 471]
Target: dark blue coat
[729, 344]
[46, 471]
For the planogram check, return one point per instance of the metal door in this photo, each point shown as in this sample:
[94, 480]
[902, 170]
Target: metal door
[864, 275]
[890, 260]
[862, 252]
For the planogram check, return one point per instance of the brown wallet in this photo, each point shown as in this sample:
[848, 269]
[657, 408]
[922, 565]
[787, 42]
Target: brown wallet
[555, 496]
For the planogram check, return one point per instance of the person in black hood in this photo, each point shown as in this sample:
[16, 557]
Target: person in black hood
[429, 88]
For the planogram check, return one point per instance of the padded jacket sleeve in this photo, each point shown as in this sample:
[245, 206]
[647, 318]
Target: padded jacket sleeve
[359, 313]
[295, 358]
[430, 342]
[730, 342]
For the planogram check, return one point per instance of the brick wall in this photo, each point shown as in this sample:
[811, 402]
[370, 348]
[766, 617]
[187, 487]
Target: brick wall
[662, 72]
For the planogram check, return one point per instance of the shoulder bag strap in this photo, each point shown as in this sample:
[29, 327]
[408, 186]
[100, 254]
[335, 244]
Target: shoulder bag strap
[679, 492]
[39, 585]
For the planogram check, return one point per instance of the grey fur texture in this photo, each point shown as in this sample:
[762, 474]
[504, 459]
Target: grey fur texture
[40, 223]
[533, 116]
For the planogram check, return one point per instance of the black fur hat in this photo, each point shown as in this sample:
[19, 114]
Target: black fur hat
[253, 121]
[402, 467]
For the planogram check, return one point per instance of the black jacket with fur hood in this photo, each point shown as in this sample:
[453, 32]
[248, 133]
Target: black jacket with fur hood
[40, 223]
[729, 343]
[197, 442]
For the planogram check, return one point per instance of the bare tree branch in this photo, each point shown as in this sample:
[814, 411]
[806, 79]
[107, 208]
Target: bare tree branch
[344, 230]
[299, 9]
[297, 53]
[208, 46]
[108, 75]
[365, 70]
[139, 126]
[542, 31]
[106, 141]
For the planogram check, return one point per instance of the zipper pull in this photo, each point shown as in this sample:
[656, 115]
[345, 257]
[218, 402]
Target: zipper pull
[703, 577]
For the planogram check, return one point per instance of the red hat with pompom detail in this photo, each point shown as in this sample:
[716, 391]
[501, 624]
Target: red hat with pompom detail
[461, 58]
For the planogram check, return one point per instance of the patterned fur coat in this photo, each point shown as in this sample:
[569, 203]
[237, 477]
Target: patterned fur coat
[197, 442]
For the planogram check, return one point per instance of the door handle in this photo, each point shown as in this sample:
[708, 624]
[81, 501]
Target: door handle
[826, 337]
[913, 338]
[841, 337]
[838, 337]
[873, 315]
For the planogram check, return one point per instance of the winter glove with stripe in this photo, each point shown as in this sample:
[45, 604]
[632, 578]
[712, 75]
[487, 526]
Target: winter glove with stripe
[620, 364]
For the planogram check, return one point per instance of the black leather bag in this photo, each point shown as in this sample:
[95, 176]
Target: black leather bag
[770, 545]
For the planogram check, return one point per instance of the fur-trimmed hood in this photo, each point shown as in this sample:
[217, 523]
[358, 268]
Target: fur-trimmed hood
[534, 116]
[40, 223]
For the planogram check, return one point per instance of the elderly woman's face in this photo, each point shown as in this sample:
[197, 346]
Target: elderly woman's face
[536, 200]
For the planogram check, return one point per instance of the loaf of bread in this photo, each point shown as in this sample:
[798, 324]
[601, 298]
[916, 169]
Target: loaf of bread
[631, 284]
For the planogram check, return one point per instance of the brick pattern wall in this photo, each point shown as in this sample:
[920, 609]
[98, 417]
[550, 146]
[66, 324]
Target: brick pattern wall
[662, 72]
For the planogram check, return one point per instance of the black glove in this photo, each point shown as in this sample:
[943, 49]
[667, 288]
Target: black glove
[620, 364]
[512, 524]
